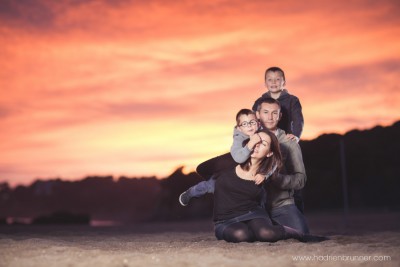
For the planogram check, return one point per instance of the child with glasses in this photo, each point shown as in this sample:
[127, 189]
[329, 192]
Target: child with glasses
[245, 129]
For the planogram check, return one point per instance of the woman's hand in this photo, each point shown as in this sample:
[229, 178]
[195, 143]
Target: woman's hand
[259, 178]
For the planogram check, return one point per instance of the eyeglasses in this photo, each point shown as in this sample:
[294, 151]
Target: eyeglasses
[248, 123]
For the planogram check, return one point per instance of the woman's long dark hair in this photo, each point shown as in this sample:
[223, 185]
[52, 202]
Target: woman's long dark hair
[267, 163]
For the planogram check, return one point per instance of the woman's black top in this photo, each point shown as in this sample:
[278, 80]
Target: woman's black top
[234, 196]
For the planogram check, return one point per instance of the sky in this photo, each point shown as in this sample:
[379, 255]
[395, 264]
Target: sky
[139, 88]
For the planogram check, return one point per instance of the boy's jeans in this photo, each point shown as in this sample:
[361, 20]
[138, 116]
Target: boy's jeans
[202, 188]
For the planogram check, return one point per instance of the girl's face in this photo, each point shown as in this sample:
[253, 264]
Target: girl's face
[274, 81]
[248, 124]
[262, 149]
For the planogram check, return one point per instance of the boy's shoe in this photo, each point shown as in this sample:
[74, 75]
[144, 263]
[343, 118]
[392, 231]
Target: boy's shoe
[184, 198]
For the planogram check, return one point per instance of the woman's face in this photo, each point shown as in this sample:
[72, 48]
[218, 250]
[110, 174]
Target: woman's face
[262, 149]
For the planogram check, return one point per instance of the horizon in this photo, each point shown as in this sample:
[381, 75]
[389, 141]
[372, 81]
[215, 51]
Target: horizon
[185, 169]
[138, 88]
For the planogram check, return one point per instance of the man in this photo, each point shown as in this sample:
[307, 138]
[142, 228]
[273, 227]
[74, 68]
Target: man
[280, 188]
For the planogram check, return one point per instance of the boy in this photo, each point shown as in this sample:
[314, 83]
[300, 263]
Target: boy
[292, 121]
[246, 126]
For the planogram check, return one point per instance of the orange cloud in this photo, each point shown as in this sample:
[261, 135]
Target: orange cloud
[141, 87]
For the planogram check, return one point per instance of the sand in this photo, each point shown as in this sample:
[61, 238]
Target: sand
[367, 240]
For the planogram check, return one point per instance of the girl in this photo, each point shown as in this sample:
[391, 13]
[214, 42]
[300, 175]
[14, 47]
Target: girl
[238, 216]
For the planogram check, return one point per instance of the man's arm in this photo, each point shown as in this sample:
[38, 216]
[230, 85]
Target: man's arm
[295, 175]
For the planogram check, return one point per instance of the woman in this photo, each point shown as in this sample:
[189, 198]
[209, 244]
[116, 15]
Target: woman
[238, 215]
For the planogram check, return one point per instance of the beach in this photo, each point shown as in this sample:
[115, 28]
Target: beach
[363, 239]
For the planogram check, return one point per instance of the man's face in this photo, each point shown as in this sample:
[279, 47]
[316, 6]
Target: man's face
[269, 116]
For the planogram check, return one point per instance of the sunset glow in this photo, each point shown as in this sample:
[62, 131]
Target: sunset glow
[138, 88]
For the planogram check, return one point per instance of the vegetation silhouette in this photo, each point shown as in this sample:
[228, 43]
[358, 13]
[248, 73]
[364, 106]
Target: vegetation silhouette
[371, 157]
[62, 217]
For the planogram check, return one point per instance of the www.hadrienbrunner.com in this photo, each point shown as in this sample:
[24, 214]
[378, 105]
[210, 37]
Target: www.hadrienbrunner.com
[358, 258]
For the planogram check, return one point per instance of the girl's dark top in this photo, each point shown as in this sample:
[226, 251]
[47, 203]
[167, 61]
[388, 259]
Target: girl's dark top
[234, 196]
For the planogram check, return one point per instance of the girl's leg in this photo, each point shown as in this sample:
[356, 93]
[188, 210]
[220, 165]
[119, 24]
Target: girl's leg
[265, 231]
[238, 232]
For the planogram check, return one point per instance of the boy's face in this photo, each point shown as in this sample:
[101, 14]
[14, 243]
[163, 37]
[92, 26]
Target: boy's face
[248, 124]
[274, 81]
[269, 115]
